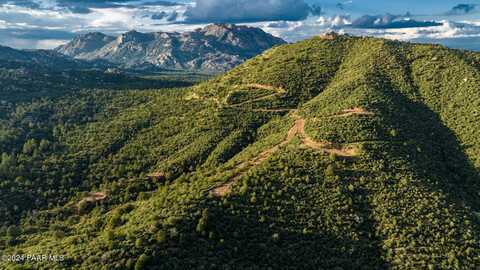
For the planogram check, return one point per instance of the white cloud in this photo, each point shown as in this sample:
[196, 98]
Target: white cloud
[335, 21]
[112, 18]
[33, 44]
[49, 23]
[447, 33]
[49, 43]
[447, 30]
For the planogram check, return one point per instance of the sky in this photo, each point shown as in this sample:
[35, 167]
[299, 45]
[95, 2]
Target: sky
[45, 24]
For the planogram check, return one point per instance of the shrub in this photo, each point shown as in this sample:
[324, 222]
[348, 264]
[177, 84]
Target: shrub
[142, 262]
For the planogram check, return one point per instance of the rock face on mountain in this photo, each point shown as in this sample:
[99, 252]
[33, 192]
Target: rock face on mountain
[85, 44]
[216, 47]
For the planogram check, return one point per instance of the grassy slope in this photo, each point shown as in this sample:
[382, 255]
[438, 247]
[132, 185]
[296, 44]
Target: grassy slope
[407, 201]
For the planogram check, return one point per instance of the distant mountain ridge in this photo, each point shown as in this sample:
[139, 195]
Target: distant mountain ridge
[46, 58]
[216, 47]
[85, 44]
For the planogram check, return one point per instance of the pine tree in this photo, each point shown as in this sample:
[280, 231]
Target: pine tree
[202, 222]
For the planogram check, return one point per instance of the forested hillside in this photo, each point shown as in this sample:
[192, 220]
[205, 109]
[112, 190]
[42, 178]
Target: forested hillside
[332, 153]
[27, 81]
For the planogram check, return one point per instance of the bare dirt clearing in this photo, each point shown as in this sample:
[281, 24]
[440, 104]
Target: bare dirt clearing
[357, 111]
[92, 198]
[354, 111]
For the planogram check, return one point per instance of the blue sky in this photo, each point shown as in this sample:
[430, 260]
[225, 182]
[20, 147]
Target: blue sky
[49, 23]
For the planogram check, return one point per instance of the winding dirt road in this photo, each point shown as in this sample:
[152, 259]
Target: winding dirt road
[297, 130]
[278, 91]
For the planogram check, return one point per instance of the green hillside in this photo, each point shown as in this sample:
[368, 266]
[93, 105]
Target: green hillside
[332, 153]
[24, 82]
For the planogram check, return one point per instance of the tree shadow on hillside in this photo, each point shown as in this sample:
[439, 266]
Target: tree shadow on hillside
[241, 241]
[439, 155]
[274, 234]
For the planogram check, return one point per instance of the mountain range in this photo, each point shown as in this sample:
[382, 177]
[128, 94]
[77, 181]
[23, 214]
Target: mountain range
[214, 48]
[26, 75]
[98, 60]
[336, 152]
[47, 59]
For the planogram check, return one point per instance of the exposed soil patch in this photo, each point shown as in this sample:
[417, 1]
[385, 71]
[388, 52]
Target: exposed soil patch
[270, 110]
[330, 148]
[354, 111]
[195, 96]
[357, 111]
[326, 147]
[265, 87]
[329, 36]
[297, 130]
[157, 176]
[94, 197]
[224, 189]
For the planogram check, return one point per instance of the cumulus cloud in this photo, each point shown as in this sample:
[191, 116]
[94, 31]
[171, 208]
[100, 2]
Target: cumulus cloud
[450, 29]
[336, 21]
[278, 24]
[33, 38]
[85, 7]
[47, 23]
[452, 34]
[111, 18]
[365, 25]
[464, 35]
[316, 10]
[295, 31]
[390, 21]
[236, 11]
[462, 9]
[172, 17]
[159, 16]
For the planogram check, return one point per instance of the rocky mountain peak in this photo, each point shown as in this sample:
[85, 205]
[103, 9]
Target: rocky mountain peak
[85, 43]
[134, 36]
[216, 47]
[93, 36]
[220, 29]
